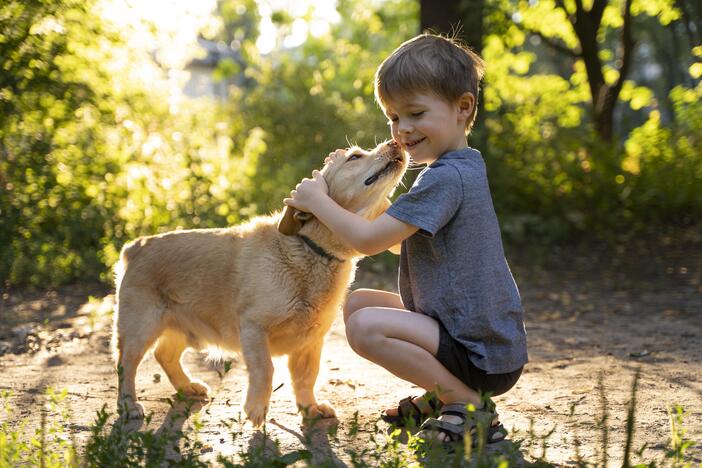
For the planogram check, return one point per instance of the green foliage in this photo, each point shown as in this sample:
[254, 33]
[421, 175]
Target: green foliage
[664, 163]
[678, 443]
[49, 446]
[91, 156]
[50, 114]
[114, 444]
[311, 101]
[551, 175]
[95, 150]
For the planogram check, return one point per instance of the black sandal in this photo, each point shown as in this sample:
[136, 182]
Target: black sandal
[409, 413]
[469, 425]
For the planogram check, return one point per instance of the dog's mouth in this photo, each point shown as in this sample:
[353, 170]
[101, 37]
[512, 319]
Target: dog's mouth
[389, 167]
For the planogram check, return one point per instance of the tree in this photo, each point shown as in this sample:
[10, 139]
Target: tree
[601, 34]
[461, 17]
[587, 25]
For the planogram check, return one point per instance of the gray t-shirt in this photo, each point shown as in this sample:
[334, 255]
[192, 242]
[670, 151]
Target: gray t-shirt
[454, 269]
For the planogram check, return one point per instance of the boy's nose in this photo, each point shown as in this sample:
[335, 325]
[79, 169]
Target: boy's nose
[404, 128]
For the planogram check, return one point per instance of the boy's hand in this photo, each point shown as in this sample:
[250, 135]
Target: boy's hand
[307, 192]
[334, 154]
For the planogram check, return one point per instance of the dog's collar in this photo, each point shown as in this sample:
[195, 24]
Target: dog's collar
[317, 249]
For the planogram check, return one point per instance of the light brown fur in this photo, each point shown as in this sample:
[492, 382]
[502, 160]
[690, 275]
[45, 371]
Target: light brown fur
[247, 288]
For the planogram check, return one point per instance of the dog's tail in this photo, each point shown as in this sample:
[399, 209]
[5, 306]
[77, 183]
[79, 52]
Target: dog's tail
[128, 253]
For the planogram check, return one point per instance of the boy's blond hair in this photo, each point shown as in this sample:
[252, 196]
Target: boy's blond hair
[430, 63]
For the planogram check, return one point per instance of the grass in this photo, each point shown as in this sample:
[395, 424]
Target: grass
[113, 442]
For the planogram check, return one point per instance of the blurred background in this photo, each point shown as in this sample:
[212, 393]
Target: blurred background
[121, 118]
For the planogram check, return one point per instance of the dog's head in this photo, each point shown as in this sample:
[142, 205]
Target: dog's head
[358, 180]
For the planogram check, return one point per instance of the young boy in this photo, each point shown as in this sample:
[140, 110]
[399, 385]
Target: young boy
[456, 328]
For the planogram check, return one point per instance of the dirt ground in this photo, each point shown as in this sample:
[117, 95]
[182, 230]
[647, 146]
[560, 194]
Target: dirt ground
[588, 314]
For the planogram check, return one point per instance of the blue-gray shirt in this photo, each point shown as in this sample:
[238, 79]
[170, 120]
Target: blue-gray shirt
[454, 269]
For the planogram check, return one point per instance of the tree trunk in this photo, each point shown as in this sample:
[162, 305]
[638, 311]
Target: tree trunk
[461, 18]
[586, 24]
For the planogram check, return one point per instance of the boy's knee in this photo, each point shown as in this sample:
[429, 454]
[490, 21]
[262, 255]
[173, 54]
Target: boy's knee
[360, 333]
[354, 302]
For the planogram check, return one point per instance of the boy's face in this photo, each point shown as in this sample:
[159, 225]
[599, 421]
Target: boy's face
[427, 126]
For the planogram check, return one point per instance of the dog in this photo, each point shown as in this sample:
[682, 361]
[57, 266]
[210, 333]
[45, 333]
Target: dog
[271, 286]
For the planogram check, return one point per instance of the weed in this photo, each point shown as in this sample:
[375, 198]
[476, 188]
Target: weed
[114, 441]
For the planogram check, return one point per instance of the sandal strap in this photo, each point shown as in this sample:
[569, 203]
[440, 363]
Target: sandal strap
[472, 418]
[407, 407]
[455, 409]
[432, 400]
[453, 431]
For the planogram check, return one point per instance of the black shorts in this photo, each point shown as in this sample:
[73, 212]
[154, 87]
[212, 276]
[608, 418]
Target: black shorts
[454, 357]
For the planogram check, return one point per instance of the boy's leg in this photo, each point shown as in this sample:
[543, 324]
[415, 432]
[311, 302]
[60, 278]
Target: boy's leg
[405, 343]
[362, 298]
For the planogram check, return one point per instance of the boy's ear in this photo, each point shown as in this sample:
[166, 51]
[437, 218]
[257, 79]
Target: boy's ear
[466, 104]
[292, 221]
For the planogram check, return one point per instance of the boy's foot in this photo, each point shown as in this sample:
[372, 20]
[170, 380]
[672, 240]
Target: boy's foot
[412, 410]
[455, 422]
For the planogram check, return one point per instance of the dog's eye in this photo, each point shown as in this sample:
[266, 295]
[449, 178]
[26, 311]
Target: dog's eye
[354, 156]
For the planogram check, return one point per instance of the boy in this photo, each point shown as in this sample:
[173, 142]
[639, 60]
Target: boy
[456, 328]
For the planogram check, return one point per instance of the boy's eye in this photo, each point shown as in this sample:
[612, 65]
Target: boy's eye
[417, 114]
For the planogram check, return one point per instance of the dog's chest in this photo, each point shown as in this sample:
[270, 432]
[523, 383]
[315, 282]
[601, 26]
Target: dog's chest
[311, 309]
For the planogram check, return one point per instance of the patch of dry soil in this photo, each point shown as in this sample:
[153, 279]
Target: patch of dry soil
[583, 324]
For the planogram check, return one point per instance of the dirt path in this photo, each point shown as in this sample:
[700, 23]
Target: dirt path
[582, 322]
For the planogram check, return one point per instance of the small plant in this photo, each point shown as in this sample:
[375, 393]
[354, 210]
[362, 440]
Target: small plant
[115, 442]
[49, 446]
[678, 443]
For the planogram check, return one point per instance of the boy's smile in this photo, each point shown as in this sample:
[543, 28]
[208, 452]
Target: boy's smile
[411, 144]
[427, 126]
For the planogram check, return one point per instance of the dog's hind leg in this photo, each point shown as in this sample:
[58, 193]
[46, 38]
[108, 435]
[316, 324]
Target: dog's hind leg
[254, 349]
[304, 367]
[168, 353]
[138, 323]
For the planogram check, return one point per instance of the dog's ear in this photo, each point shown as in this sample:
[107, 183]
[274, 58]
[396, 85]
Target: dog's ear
[292, 221]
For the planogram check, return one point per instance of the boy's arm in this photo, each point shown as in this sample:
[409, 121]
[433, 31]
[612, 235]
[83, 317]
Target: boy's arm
[364, 236]
[397, 248]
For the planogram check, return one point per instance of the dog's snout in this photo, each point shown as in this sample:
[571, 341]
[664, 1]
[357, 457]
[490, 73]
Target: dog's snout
[391, 150]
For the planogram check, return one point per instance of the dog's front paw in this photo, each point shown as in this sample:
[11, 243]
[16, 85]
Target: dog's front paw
[255, 412]
[195, 389]
[318, 410]
[130, 409]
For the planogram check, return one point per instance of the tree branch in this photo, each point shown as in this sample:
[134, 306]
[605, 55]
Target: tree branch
[604, 110]
[550, 42]
[560, 4]
[558, 47]
[597, 11]
[628, 45]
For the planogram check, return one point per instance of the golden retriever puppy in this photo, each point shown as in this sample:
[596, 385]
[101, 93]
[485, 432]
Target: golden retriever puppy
[269, 287]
